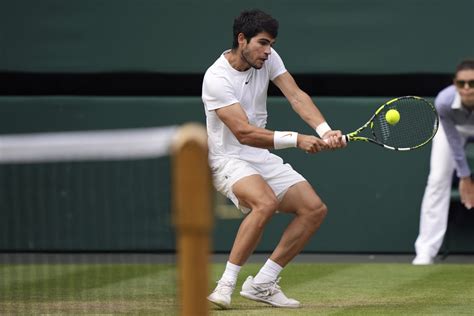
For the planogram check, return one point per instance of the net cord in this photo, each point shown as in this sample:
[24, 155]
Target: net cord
[118, 144]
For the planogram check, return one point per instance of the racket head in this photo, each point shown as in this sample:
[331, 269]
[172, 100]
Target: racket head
[418, 124]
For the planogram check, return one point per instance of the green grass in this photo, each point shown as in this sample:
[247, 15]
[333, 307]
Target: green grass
[323, 289]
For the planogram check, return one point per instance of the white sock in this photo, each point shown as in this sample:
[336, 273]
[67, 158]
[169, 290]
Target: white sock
[231, 272]
[268, 273]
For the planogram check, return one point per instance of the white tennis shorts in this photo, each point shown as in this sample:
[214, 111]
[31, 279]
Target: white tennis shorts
[280, 176]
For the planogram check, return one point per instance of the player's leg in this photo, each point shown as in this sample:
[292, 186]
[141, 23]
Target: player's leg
[436, 199]
[309, 211]
[253, 193]
[247, 190]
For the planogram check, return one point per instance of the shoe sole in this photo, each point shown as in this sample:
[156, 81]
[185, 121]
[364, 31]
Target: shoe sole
[219, 304]
[258, 299]
[422, 263]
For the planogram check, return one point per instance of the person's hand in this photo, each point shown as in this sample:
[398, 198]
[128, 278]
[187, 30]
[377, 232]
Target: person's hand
[334, 139]
[311, 144]
[466, 190]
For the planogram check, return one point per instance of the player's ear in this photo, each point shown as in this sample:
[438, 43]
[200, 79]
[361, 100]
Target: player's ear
[241, 38]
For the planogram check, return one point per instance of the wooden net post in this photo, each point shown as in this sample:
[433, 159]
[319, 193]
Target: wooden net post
[192, 216]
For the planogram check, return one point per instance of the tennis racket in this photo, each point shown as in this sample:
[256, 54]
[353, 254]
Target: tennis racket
[417, 125]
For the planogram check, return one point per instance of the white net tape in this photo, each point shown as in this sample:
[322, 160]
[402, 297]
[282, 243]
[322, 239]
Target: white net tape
[116, 144]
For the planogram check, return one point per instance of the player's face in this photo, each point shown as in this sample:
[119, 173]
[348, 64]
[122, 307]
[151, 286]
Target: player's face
[256, 52]
[464, 81]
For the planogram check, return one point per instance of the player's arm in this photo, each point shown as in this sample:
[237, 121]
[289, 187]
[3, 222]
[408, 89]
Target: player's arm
[235, 118]
[306, 109]
[466, 185]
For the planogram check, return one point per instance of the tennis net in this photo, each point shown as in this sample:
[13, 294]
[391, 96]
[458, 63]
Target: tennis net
[65, 196]
[86, 191]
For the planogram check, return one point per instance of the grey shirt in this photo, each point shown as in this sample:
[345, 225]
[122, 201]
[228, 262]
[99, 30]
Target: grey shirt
[452, 114]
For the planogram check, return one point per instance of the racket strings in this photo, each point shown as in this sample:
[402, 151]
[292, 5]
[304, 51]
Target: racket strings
[417, 125]
[384, 128]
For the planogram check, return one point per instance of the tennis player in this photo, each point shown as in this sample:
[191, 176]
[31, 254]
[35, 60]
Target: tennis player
[258, 182]
[455, 105]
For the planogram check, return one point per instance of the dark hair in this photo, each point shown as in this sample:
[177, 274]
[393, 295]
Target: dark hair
[466, 64]
[252, 22]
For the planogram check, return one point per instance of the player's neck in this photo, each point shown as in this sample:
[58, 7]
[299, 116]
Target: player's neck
[234, 57]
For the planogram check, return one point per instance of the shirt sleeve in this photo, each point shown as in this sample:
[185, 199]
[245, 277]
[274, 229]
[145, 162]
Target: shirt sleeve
[217, 92]
[443, 106]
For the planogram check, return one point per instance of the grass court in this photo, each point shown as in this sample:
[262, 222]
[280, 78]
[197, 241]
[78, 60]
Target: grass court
[323, 289]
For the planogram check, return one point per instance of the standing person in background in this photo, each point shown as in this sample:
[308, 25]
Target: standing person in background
[455, 105]
[258, 182]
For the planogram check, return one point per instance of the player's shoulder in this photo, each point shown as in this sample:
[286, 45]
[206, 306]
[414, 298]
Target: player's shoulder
[219, 63]
[218, 69]
[274, 55]
[445, 98]
[274, 52]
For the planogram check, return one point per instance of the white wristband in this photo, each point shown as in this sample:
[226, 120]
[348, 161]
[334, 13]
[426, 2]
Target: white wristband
[283, 140]
[322, 129]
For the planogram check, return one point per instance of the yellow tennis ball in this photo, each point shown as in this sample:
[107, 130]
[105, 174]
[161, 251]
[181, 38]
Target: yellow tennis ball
[392, 116]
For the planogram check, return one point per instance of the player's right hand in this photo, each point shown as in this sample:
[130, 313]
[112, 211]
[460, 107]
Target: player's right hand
[311, 144]
[334, 139]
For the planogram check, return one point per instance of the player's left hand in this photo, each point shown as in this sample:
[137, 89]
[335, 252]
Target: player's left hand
[311, 144]
[466, 190]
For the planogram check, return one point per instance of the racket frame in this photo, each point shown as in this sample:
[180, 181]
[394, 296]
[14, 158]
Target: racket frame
[354, 136]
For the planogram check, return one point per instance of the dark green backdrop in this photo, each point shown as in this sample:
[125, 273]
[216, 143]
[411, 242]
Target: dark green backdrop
[184, 36]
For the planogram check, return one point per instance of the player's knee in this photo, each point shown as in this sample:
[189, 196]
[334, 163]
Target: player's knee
[268, 206]
[265, 208]
[317, 212]
[441, 176]
[439, 184]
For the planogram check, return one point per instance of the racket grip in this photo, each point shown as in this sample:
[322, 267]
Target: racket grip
[343, 138]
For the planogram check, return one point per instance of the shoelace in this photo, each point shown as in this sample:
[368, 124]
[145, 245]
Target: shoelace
[224, 287]
[270, 288]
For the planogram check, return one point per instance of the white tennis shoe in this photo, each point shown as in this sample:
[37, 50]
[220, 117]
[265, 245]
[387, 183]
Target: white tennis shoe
[221, 296]
[269, 293]
[421, 260]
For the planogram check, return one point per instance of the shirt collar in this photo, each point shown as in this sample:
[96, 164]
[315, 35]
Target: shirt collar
[456, 105]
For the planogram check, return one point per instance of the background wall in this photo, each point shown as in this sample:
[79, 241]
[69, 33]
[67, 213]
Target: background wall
[77, 65]
[366, 36]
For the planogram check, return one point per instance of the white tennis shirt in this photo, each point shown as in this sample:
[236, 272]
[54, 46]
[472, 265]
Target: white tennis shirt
[223, 86]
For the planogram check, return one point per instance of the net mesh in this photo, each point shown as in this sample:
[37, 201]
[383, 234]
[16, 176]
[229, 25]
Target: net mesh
[76, 204]
[86, 206]
[86, 191]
